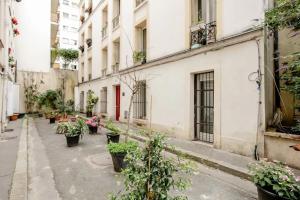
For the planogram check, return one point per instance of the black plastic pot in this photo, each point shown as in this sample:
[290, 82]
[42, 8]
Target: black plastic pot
[72, 141]
[21, 115]
[52, 120]
[40, 114]
[89, 114]
[266, 195]
[93, 129]
[118, 161]
[112, 137]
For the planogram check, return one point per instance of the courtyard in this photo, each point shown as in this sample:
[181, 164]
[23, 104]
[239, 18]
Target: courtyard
[85, 172]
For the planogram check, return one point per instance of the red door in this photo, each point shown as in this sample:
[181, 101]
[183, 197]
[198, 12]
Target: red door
[118, 102]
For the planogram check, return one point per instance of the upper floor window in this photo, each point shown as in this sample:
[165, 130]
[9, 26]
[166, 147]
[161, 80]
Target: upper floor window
[65, 28]
[203, 11]
[74, 17]
[74, 4]
[66, 2]
[66, 15]
[65, 40]
[73, 29]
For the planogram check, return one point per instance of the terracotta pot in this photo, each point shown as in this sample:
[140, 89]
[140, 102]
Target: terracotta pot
[14, 117]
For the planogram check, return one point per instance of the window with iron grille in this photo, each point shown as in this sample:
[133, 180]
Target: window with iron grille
[103, 100]
[139, 101]
[204, 107]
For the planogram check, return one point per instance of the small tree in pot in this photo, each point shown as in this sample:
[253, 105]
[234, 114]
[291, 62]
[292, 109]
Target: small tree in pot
[150, 175]
[92, 100]
[274, 181]
[74, 131]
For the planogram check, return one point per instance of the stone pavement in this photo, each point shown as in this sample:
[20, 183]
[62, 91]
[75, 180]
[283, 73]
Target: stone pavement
[9, 142]
[85, 172]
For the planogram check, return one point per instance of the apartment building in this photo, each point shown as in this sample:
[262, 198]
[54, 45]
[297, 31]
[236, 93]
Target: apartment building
[9, 32]
[68, 28]
[200, 63]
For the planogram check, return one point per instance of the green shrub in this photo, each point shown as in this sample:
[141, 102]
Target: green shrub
[115, 148]
[112, 127]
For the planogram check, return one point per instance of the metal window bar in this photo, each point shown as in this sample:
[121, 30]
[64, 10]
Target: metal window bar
[139, 102]
[139, 2]
[104, 31]
[116, 21]
[103, 101]
[204, 107]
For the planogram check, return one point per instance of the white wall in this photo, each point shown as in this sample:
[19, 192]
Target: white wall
[33, 43]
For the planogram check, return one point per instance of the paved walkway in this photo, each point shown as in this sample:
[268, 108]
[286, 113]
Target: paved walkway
[85, 172]
[9, 142]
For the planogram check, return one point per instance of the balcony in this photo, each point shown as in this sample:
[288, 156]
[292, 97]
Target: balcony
[81, 48]
[138, 2]
[89, 42]
[203, 34]
[115, 68]
[104, 32]
[90, 77]
[116, 22]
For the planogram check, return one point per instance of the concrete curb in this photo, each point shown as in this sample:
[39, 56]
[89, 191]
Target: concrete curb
[225, 167]
[20, 178]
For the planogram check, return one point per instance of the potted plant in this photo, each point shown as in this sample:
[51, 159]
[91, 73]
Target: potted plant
[274, 181]
[89, 9]
[139, 57]
[82, 18]
[62, 128]
[113, 134]
[16, 32]
[118, 152]
[81, 48]
[92, 99]
[74, 131]
[14, 21]
[93, 125]
[52, 115]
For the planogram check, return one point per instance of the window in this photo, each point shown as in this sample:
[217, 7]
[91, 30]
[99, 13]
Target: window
[139, 101]
[204, 107]
[74, 4]
[65, 40]
[66, 15]
[74, 17]
[66, 2]
[103, 100]
[65, 28]
[74, 66]
[73, 42]
[82, 101]
[73, 29]
[144, 41]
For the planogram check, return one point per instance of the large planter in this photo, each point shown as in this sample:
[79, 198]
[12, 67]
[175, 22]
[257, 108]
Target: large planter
[89, 114]
[72, 140]
[21, 115]
[93, 129]
[266, 195]
[112, 137]
[52, 120]
[118, 161]
[14, 117]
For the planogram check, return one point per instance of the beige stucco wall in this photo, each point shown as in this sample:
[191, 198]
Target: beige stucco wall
[48, 80]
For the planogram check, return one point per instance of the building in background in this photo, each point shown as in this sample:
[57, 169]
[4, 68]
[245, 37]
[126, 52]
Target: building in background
[68, 29]
[40, 26]
[9, 33]
[194, 62]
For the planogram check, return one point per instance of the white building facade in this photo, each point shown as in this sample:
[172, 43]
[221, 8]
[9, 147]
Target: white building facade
[9, 33]
[68, 28]
[198, 61]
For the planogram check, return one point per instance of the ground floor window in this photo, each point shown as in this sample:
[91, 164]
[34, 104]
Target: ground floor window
[139, 101]
[82, 101]
[103, 100]
[204, 106]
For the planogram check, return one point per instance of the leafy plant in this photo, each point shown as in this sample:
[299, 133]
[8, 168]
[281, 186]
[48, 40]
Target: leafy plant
[92, 100]
[77, 128]
[31, 96]
[276, 178]
[124, 147]
[62, 128]
[68, 56]
[112, 127]
[151, 175]
[139, 56]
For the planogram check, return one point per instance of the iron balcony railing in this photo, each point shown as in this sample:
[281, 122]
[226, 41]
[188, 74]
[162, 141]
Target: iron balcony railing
[89, 42]
[116, 21]
[139, 2]
[203, 34]
[104, 32]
